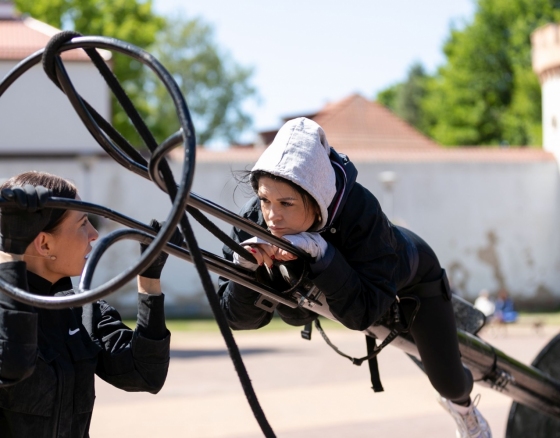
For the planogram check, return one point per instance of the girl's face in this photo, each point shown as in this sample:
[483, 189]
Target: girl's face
[283, 208]
[70, 243]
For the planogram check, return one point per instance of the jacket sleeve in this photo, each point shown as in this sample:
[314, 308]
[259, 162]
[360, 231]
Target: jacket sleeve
[132, 360]
[357, 279]
[18, 329]
[238, 302]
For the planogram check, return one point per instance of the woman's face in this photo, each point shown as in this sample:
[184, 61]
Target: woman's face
[283, 208]
[70, 243]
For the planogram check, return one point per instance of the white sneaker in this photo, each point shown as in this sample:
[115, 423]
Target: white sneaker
[470, 424]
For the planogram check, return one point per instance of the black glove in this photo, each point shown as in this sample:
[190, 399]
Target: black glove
[154, 270]
[22, 221]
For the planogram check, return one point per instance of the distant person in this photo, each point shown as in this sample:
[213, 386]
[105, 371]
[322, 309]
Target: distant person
[49, 358]
[307, 193]
[505, 312]
[484, 303]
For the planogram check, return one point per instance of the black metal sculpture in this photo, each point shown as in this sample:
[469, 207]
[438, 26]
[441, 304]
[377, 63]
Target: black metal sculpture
[534, 389]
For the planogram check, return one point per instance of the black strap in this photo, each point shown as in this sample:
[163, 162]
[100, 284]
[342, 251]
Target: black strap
[358, 361]
[372, 348]
[373, 365]
[306, 332]
[330, 344]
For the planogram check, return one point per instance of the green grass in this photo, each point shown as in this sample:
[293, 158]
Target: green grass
[548, 318]
[209, 325]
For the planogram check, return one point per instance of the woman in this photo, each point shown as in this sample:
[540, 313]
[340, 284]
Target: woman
[308, 194]
[49, 357]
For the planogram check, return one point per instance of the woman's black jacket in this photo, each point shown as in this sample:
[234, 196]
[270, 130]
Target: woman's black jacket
[367, 261]
[48, 358]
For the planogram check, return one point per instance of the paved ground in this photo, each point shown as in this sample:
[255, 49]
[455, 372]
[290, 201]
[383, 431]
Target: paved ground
[305, 389]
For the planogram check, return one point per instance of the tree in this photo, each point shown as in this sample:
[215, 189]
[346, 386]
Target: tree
[215, 86]
[388, 97]
[133, 21]
[405, 98]
[486, 93]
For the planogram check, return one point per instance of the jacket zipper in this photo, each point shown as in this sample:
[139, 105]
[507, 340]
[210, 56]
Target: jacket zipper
[60, 388]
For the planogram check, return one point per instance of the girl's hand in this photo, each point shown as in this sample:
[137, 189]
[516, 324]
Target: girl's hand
[312, 243]
[263, 254]
[239, 260]
[275, 253]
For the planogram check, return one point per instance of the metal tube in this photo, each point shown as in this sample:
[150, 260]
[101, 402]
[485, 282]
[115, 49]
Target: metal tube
[490, 367]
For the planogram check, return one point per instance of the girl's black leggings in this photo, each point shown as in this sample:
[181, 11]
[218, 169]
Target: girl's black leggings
[435, 333]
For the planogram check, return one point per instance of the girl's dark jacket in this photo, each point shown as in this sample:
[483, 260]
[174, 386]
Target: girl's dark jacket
[48, 358]
[367, 261]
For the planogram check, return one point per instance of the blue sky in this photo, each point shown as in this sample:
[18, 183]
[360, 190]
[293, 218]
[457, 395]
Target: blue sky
[306, 53]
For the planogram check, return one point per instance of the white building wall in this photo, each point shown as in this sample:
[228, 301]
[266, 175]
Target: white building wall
[492, 225]
[551, 114]
[35, 116]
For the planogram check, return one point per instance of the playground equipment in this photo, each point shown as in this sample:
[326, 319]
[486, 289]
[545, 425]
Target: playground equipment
[534, 388]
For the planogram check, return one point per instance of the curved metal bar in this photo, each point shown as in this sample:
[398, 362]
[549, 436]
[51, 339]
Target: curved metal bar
[158, 154]
[83, 298]
[100, 249]
[19, 69]
[179, 194]
[115, 152]
[244, 224]
[88, 207]
[182, 190]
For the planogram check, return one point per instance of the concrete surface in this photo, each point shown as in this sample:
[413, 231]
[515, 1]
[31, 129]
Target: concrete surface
[305, 389]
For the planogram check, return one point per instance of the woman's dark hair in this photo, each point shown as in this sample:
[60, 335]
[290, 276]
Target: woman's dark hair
[252, 178]
[60, 188]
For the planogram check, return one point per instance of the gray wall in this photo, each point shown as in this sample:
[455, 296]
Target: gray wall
[35, 116]
[492, 225]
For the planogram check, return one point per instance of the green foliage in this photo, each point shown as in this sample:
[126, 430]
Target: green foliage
[51, 11]
[129, 20]
[413, 91]
[486, 92]
[388, 97]
[405, 99]
[214, 85]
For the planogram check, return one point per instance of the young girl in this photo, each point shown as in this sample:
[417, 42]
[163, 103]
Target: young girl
[307, 193]
[49, 358]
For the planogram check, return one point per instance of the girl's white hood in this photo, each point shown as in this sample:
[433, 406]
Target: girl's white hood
[300, 153]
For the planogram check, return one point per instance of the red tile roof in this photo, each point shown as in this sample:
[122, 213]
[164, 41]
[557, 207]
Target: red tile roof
[20, 38]
[368, 132]
[357, 123]
[478, 154]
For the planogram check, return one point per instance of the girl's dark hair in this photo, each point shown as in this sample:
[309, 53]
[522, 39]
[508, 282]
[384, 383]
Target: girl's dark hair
[60, 188]
[252, 178]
